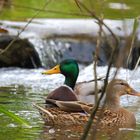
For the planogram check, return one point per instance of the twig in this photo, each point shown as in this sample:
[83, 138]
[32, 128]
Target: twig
[136, 66]
[99, 20]
[135, 26]
[138, 61]
[93, 113]
[95, 64]
[77, 3]
[96, 59]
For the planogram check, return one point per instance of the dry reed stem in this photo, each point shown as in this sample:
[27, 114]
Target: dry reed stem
[95, 71]
[92, 13]
[93, 113]
[135, 26]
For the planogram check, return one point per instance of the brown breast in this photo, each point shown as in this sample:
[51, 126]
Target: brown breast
[63, 93]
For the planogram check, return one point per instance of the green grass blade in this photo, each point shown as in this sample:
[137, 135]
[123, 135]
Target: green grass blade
[135, 26]
[16, 118]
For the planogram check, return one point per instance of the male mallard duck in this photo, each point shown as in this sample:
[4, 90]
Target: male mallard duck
[69, 68]
[110, 116]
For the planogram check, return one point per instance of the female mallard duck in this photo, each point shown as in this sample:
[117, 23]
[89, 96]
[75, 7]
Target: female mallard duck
[110, 116]
[84, 90]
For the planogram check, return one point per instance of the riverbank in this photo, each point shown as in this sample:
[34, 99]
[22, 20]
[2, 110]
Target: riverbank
[58, 39]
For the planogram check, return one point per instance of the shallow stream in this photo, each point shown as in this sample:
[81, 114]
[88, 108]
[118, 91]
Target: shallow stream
[19, 88]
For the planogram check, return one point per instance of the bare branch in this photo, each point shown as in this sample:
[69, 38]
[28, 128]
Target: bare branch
[135, 26]
[99, 20]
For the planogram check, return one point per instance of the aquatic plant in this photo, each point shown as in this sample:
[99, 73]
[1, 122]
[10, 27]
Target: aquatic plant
[13, 116]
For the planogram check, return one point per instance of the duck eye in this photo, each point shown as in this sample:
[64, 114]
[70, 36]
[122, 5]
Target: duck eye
[122, 83]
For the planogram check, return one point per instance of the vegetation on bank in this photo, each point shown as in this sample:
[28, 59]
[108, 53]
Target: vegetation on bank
[23, 9]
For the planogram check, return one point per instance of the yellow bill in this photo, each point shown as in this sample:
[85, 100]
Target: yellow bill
[54, 70]
[131, 91]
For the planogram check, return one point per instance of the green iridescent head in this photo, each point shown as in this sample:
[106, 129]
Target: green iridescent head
[69, 68]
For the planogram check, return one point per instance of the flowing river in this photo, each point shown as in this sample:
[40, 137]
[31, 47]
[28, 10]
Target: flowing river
[19, 88]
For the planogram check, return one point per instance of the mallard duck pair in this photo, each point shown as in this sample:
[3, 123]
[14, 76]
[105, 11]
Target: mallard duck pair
[68, 110]
[71, 91]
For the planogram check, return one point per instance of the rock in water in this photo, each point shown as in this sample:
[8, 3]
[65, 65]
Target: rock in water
[20, 53]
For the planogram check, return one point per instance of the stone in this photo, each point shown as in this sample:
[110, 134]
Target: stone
[21, 53]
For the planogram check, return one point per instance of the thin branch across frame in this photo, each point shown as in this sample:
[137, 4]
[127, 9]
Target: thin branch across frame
[10, 44]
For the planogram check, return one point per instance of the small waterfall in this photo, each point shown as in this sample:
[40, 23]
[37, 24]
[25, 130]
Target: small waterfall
[58, 39]
[52, 51]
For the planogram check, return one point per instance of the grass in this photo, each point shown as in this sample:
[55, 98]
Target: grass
[16, 118]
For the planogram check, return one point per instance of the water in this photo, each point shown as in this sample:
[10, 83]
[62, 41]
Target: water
[14, 98]
[17, 93]
[19, 88]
